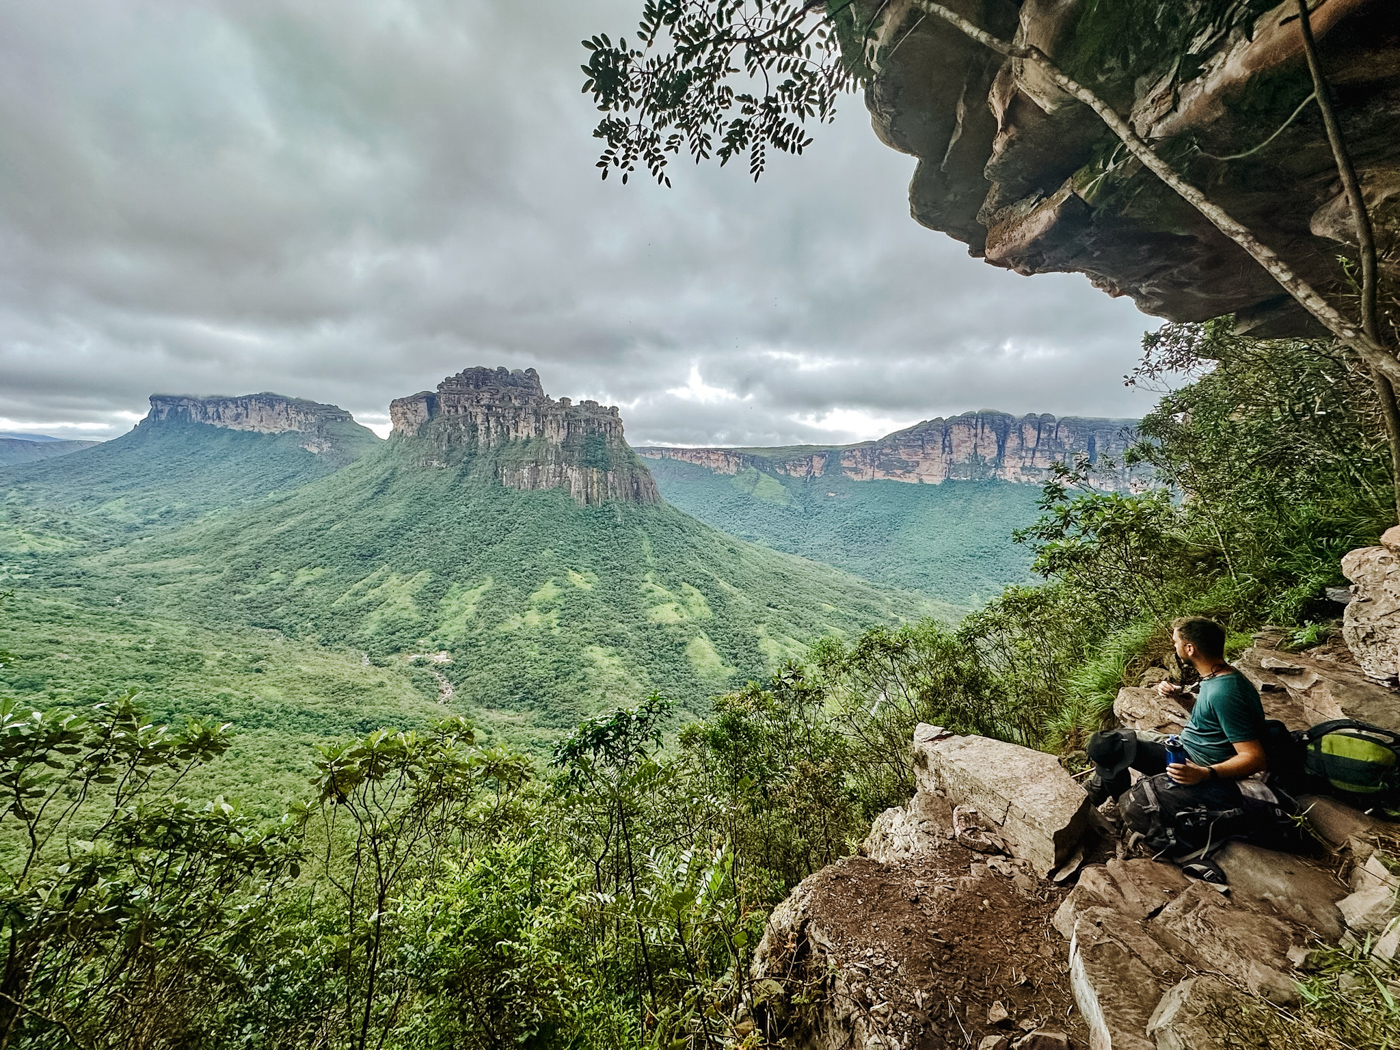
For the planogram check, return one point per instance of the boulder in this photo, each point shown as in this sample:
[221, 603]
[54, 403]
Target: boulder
[1202, 1012]
[1386, 949]
[1375, 872]
[1374, 905]
[1344, 827]
[1371, 623]
[1035, 805]
[1141, 708]
[1369, 911]
[902, 832]
[1302, 690]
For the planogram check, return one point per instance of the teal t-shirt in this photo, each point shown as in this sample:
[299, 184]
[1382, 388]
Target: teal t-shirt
[1227, 710]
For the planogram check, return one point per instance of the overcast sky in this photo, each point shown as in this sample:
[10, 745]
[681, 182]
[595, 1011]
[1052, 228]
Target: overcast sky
[348, 200]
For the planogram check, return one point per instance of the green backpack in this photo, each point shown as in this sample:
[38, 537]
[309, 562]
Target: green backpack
[1355, 761]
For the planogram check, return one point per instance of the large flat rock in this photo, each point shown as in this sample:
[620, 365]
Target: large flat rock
[1213, 933]
[1295, 888]
[1137, 888]
[1037, 806]
[1114, 990]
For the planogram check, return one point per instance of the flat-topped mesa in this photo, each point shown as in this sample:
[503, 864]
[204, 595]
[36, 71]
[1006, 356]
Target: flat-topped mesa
[538, 442]
[264, 413]
[975, 446]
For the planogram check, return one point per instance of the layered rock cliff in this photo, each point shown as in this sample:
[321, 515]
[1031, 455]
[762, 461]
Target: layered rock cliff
[1031, 180]
[975, 446]
[526, 439]
[326, 430]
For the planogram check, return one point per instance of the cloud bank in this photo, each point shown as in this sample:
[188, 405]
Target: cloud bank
[348, 201]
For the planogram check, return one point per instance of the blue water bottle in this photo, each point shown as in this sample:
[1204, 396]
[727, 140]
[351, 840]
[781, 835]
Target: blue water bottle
[1176, 755]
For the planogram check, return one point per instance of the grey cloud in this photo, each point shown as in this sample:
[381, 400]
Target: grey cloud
[348, 201]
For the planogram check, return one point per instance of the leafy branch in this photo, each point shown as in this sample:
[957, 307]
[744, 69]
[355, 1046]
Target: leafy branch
[716, 79]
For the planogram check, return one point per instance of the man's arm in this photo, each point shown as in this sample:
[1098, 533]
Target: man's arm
[1180, 694]
[1249, 759]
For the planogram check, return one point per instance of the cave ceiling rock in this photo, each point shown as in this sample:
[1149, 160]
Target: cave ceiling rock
[1031, 181]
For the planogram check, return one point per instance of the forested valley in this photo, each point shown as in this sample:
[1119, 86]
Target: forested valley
[428, 884]
[467, 738]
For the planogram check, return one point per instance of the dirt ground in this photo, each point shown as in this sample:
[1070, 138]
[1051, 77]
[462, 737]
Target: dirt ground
[940, 951]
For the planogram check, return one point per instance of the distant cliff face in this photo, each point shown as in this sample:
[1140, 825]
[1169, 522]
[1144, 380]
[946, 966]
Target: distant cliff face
[536, 442]
[974, 446]
[324, 428]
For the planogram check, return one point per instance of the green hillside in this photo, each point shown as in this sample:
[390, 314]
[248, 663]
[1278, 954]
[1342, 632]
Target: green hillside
[14, 451]
[547, 610]
[951, 542]
[157, 477]
[77, 649]
[544, 605]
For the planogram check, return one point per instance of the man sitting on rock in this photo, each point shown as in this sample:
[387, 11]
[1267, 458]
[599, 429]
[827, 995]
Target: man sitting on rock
[1224, 738]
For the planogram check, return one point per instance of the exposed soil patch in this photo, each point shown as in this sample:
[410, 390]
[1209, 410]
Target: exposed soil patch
[935, 952]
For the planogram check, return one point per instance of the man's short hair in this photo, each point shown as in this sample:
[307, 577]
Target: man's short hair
[1206, 635]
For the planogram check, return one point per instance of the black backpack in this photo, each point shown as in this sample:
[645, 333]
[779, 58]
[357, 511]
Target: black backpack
[1354, 761]
[1196, 822]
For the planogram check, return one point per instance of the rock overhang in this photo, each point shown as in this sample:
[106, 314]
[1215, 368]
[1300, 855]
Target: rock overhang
[1030, 179]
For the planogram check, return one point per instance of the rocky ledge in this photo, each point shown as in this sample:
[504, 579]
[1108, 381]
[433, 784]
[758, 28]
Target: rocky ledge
[978, 913]
[1030, 179]
[531, 441]
[974, 446]
[324, 428]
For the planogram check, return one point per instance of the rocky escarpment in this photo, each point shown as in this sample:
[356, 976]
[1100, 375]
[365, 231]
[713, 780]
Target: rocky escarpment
[326, 430]
[525, 439]
[974, 446]
[1031, 180]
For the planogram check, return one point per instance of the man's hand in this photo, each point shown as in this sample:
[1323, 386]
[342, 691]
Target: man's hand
[1249, 759]
[1171, 689]
[1188, 773]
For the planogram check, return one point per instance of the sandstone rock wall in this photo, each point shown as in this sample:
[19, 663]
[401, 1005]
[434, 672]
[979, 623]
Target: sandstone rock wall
[264, 413]
[1031, 180]
[539, 443]
[972, 446]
